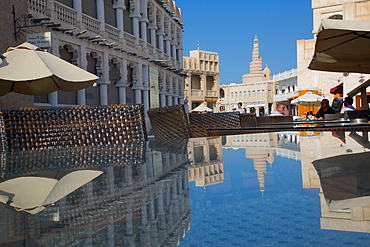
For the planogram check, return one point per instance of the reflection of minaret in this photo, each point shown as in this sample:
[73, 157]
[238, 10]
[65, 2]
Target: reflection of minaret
[259, 156]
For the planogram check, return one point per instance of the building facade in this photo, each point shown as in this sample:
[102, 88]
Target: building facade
[327, 9]
[202, 85]
[255, 92]
[134, 46]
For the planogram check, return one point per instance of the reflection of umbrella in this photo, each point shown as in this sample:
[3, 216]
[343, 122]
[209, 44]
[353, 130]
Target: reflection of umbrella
[27, 69]
[342, 46]
[345, 180]
[33, 194]
[308, 99]
[202, 108]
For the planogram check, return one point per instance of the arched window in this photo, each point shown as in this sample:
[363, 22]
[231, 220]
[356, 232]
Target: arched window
[336, 17]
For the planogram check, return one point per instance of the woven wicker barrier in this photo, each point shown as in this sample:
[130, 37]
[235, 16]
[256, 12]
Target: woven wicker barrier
[169, 122]
[200, 122]
[274, 119]
[356, 114]
[26, 163]
[248, 120]
[56, 127]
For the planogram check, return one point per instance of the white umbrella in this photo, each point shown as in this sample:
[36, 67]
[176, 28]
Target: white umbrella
[33, 194]
[342, 46]
[28, 69]
[308, 99]
[202, 108]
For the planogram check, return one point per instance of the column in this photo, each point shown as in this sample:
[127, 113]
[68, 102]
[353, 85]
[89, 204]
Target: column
[174, 47]
[143, 24]
[77, 5]
[167, 39]
[103, 81]
[53, 98]
[152, 36]
[163, 98]
[81, 94]
[100, 14]
[122, 83]
[119, 7]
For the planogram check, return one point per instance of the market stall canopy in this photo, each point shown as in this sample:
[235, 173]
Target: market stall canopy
[202, 108]
[308, 99]
[342, 46]
[28, 69]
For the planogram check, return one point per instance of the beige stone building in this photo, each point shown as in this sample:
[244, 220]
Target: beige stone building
[202, 85]
[134, 46]
[329, 9]
[257, 88]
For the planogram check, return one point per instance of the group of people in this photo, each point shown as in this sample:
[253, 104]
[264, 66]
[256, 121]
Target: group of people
[327, 109]
[324, 109]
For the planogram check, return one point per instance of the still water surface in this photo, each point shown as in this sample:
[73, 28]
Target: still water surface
[249, 190]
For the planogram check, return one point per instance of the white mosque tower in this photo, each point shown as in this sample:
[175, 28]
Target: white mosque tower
[256, 73]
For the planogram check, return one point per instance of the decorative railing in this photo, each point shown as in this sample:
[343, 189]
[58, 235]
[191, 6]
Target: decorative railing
[113, 32]
[38, 6]
[211, 93]
[65, 14]
[196, 92]
[130, 40]
[90, 23]
[284, 96]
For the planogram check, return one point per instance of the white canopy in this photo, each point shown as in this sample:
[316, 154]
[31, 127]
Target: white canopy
[202, 108]
[28, 69]
[342, 46]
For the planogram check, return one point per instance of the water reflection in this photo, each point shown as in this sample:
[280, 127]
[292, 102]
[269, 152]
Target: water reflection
[268, 189]
[133, 197]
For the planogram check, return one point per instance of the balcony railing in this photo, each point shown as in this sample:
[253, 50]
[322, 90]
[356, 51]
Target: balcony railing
[113, 33]
[90, 23]
[284, 96]
[65, 14]
[196, 92]
[211, 93]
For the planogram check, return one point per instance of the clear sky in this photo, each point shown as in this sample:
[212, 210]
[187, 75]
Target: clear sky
[228, 27]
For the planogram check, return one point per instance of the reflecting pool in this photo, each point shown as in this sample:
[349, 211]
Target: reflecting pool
[268, 189]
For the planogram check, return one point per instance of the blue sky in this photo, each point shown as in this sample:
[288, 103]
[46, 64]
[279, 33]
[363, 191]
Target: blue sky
[228, 28]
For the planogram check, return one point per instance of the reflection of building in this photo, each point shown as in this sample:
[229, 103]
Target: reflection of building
[329, 145]
[207, 166]
[202, 85]
[355, 219]
[262, 147]
[129, 204]
[260, 157]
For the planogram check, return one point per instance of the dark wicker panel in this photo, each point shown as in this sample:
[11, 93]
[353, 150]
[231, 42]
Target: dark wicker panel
[56, 127]
[248, 120]
[27, 163]
[356, 114]
[200, 122]
[274, 119]
[333, 116]
[169, 122]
